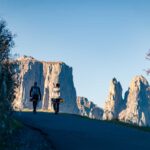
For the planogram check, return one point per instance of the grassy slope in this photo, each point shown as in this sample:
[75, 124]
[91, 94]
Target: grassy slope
[117, 122]
[14, 126]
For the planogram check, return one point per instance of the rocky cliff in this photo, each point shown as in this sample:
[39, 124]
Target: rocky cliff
[88, 108]
[134, 108]
[137, 109]
[30, 70]
[114, 103]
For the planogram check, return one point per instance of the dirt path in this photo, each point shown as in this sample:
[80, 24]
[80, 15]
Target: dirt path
[70, 132]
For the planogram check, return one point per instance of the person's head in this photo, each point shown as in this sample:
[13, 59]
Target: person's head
[57, 85]
[35, 83]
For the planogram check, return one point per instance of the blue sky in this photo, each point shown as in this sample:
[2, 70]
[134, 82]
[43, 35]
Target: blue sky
[100, 39]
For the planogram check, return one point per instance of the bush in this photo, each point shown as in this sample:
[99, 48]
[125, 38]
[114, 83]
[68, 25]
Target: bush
[7, 80]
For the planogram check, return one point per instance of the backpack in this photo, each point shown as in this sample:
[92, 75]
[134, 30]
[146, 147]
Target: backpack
[35, 91]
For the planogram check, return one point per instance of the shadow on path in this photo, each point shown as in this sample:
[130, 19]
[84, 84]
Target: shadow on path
[72, 132]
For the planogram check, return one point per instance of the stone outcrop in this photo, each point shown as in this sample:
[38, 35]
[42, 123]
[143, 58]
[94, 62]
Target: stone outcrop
[88, 108]
[137, 109]
[134, 108]
[114, 103]
[30, 70]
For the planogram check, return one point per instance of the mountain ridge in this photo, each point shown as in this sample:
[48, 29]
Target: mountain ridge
[116, 106]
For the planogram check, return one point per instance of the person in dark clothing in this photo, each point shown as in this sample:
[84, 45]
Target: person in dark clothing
[35, 95]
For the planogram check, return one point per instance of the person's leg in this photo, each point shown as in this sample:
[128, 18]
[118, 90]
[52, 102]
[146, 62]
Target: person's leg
[34, 106]
[54, 106]
[58, 107]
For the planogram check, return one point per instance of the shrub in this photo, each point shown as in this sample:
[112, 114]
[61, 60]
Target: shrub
[7, 80]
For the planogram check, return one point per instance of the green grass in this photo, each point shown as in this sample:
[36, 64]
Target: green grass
[6, 139]
[117, 122]
[16, 124]
[38, 110]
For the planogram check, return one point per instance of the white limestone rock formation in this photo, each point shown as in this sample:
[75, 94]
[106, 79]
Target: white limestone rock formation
[96, 113]
[114, 103]
[88, 108]
[138, 103]
[45, 73]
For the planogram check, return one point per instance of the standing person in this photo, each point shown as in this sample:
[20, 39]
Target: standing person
[56, 97]
[35, 95]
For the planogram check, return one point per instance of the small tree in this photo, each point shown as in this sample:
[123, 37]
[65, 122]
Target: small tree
[7, 81]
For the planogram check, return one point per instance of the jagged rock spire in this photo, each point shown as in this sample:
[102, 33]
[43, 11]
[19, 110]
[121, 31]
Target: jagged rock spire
[114, 101]
[137, 109]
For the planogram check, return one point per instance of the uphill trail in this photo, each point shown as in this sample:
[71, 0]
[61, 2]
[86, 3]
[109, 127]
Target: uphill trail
[72, 132]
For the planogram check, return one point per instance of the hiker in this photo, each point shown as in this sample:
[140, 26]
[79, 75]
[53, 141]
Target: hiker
[56, 97]
[35, 95]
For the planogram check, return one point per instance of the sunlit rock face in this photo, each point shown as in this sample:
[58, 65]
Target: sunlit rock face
[88, 108]
[45, 74]
[137, 109]
[114, 103]
[96, 113]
